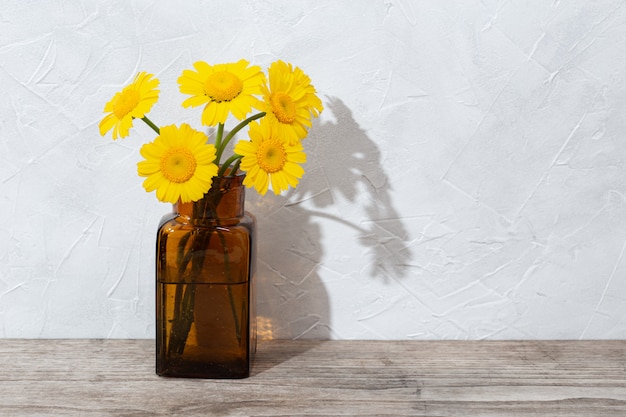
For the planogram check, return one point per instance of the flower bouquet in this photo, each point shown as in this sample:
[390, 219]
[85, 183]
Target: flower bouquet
[205, 254]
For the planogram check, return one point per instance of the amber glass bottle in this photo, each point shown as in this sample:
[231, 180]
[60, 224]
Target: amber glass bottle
[205, 296]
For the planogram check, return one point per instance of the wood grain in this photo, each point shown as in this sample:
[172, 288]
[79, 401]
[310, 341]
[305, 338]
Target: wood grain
[322, 378]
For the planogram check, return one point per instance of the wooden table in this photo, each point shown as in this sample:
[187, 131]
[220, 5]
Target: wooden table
[322, 378]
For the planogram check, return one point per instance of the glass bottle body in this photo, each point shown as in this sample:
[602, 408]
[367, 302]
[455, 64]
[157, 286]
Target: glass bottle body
[205, 295]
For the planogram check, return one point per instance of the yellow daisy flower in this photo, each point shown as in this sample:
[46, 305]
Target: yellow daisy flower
[223, 88]
[290, 101]
[268, 158]
[134, 101]
[178, 164]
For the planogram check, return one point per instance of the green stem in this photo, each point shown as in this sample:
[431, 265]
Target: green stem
[186, 317]
[232, 133]
[152, 125]
[176, 340]
[185, 297]
[218, 142]
[236, 166]
[226, 164]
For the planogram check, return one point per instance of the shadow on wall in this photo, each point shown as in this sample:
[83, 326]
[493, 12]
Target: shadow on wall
[344, 181]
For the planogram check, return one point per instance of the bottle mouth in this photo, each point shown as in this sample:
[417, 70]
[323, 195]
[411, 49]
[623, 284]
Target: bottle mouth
[224, 200]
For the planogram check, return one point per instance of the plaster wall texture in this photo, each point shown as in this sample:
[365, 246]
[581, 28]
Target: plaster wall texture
[465, 180]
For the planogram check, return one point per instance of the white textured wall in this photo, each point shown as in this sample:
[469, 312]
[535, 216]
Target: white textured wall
[465, 181]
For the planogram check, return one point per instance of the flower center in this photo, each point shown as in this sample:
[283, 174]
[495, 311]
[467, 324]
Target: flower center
[283, 107]
[222, 86]
[178, 165]
[125, 103]
[271, 156]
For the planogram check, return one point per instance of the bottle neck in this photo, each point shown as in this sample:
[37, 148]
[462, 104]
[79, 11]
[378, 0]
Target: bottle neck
[225, 200]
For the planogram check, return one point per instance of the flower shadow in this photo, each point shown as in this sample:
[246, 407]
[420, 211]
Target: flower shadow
[344, 181]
